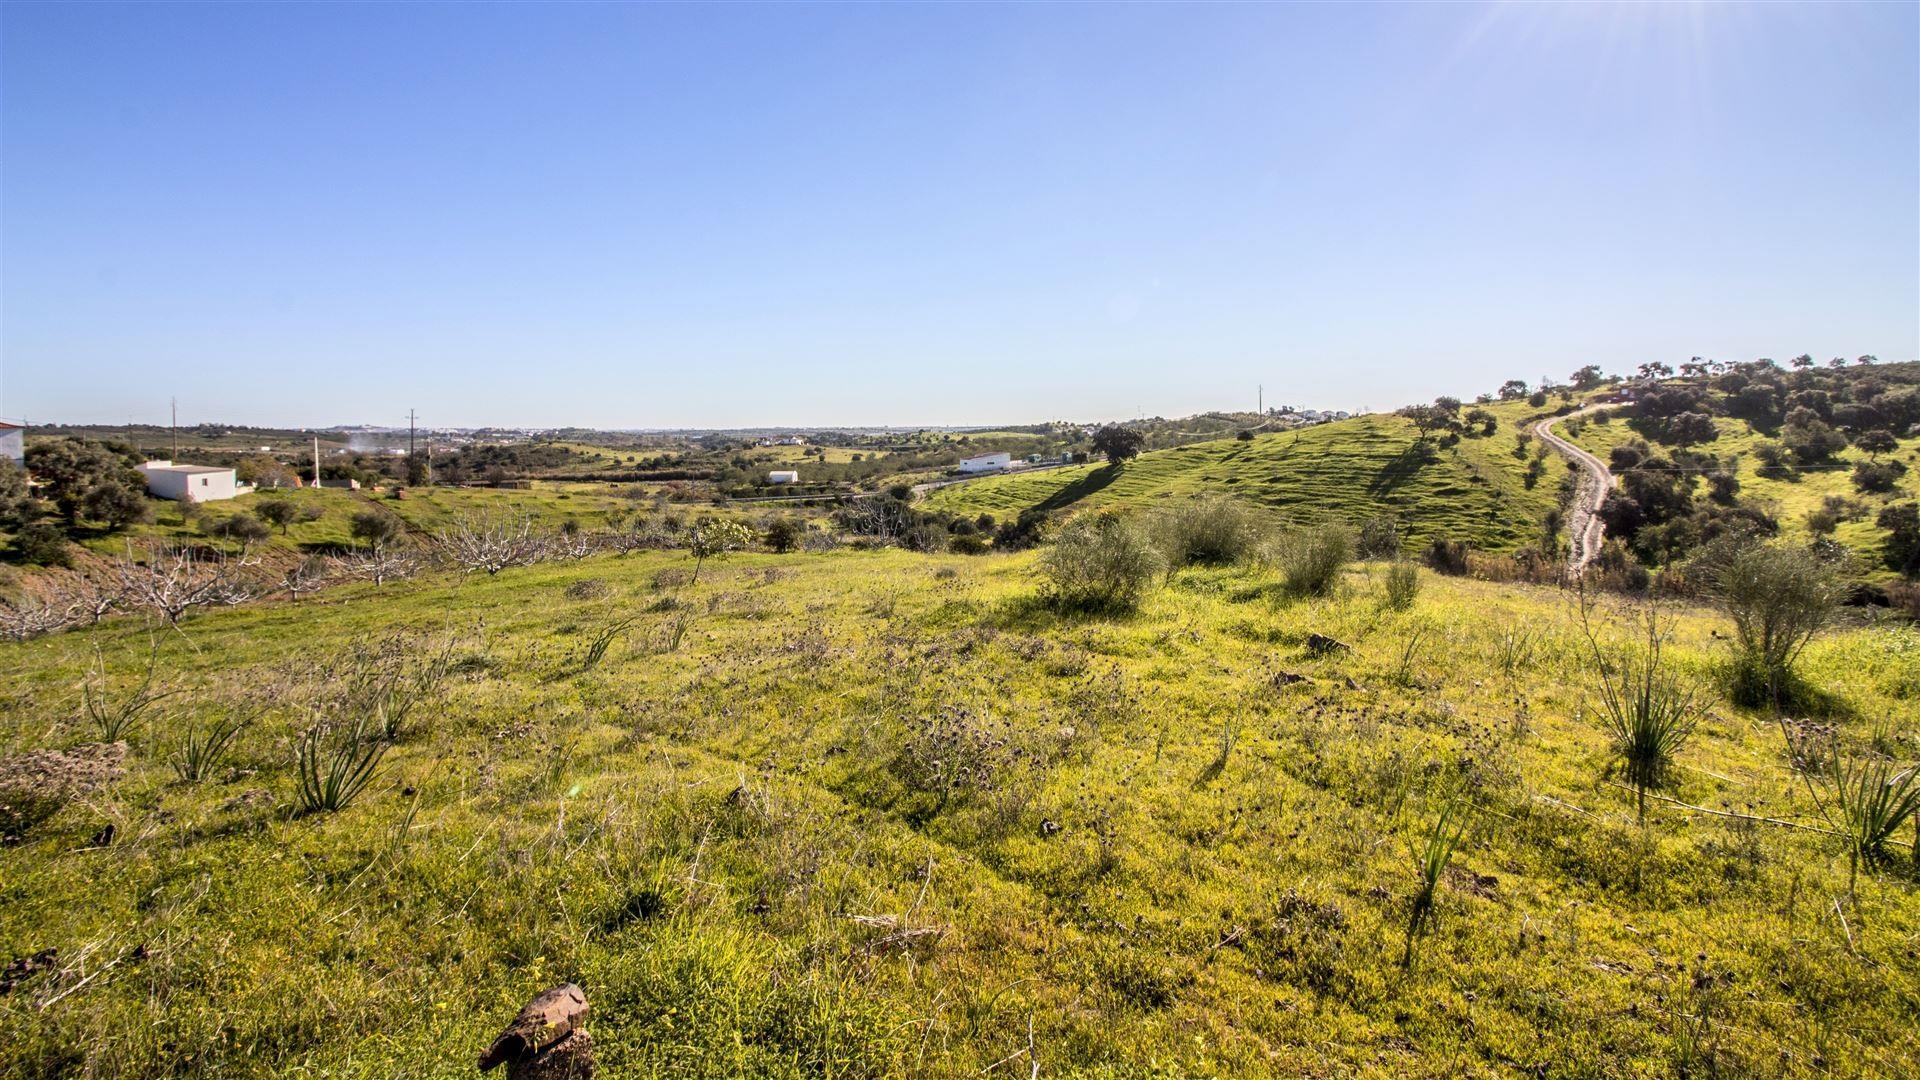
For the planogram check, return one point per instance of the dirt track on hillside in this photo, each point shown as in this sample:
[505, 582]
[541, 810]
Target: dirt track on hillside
[1585, 531]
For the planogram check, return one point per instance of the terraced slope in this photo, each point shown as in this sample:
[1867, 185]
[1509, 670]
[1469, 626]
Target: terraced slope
[1474, 491]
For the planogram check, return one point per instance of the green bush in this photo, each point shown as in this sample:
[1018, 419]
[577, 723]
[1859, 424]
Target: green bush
[44, 544]
[1403, 585]
[1212, 531]
[1311, 558]
[1778, 598]
[1101, 563]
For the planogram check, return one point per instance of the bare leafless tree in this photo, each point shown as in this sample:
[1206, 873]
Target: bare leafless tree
[174, 581]
[94, 598]
[491, 545]
[310, 574]
[382, 564]
[26, 620]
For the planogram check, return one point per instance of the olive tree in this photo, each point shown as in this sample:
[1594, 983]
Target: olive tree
[1778, 597]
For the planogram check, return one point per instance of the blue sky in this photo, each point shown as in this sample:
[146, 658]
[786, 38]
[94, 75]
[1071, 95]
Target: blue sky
[628, 216]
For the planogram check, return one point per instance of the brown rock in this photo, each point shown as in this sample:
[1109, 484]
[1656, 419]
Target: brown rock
[547, 1040]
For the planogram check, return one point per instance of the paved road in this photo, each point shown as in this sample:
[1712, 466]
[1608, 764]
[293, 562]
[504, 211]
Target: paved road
[1585, 530]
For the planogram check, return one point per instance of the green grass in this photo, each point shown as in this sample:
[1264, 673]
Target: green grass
[1352, 469]
[730, 845]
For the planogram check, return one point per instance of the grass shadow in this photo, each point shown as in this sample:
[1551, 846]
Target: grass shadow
[1093, 481]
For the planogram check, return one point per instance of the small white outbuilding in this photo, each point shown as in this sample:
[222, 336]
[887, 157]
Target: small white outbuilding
[986, 463]
[191, 483]
[783, 476]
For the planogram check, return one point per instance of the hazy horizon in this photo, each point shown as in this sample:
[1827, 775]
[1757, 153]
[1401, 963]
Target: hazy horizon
[671, 217]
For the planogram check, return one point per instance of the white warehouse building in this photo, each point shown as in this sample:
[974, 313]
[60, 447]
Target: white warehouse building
[985, 463]
[191, 483]
[783, 476]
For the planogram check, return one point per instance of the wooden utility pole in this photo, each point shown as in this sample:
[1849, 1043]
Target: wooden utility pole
[174, 404]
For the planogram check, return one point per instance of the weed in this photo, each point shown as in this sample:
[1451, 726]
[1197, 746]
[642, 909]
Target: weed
[1311, 558]
[203, 751]
[602, 640]
[1865, 801]
[1402, 585]
[1406, 665]
[1648, 714]
[334, 764]
[116, 717]
[1430, 861]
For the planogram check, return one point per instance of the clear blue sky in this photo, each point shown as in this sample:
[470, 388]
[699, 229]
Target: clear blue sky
[717, 216]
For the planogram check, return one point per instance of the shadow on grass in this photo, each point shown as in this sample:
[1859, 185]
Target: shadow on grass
[1080, 489]
[1401, 468]
[1040, 611]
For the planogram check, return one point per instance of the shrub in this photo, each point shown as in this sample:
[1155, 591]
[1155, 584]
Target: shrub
[714, 538]
[1902, 548]
[1877, 476]
[1379, 537]
[784, 534]
[1312, 557]
[117, 504]
[281, 513]
[1403, 585]
[1778, 597]
[969, 544]
[43, 544]
[1101, 563]
[1449, 557]
[1212, 531]
[242, 527]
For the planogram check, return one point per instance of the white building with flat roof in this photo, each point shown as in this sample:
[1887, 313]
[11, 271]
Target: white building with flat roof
[13, 442]
[985, 463]
[191, 483]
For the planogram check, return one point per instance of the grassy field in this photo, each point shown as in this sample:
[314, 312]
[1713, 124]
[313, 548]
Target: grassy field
[873, 813]
[1354, 469]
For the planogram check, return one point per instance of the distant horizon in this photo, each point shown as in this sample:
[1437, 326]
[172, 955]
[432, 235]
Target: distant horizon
[697, 217]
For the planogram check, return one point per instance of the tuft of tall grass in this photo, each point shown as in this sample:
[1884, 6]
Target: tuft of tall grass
[116, 717]
[1648, 713]
[1866, 801]
[202, 751]
[602, 641]
[1402, 585]
[334, 765]
[1430, 860]
[1311, 558]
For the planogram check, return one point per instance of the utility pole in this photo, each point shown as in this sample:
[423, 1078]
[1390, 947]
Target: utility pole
[1260, 399]
[410, 420]
[174, 403]
[316, 461]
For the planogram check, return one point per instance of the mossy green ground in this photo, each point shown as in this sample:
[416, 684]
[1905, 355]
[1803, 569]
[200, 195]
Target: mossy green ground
[1158, 861]
[1354, 469]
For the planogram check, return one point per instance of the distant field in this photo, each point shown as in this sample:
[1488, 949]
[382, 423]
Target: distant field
[1352, 469]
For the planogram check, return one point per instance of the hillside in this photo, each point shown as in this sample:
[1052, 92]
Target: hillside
[1475, 490]
[874, 813]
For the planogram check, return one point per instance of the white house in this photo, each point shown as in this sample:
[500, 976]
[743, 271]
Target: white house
[783, 476]
[191, 483]
[13, 443]
[985, 463]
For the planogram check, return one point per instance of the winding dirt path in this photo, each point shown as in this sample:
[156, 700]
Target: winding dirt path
[1585, 530]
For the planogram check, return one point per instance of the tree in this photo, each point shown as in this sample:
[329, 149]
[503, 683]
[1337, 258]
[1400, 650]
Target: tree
[70, 468]
[284, 512]
[1118, 443]
[1515, 389]
[1875, 443]
[1902, 548]
[1801, 362]
[16, 499]
[116, 504]
[1656, 370]
[1484, 420]
[1584, 379]
[263, 470]
[714, 538]
[376, 528]
[1427, 419]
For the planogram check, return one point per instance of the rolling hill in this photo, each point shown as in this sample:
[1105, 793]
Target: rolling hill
[1476, 490]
